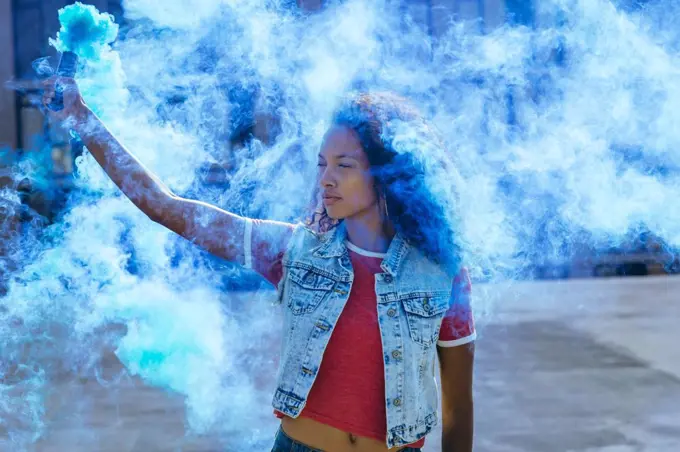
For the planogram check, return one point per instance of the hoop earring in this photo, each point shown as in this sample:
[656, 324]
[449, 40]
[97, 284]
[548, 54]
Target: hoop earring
[383, 202]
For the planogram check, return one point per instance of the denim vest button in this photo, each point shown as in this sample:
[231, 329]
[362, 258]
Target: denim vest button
[392, 312]
[396, 354]
[387, 278]
[397, 402]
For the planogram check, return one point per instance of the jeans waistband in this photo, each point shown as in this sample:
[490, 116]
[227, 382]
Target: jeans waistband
[285, 443]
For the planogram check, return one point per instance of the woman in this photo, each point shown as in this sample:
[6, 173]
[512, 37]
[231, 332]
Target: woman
[371, 283]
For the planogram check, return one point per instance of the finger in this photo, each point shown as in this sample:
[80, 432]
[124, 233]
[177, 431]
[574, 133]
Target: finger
[65, 81]
[48, 91]
[49, 82]
[44, 109]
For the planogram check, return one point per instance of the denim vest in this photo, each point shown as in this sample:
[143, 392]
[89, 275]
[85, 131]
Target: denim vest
[412, 297]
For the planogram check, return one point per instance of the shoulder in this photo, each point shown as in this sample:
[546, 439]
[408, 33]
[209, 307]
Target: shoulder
[417, 270]
[304, 233]
[304, 238]
[415, 262]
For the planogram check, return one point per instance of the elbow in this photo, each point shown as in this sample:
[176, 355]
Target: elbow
[153, 201]
[150, 209]
[153, 215]
[156, 209]
[458, 429]
[460, 413]
[166, 211]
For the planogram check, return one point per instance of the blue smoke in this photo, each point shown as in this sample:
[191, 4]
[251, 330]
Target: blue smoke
[84, 31]
[563, 133]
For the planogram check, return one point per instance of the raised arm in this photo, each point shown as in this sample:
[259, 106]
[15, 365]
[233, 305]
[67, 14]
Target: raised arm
[217, 231]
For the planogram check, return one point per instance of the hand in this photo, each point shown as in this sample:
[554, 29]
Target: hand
[74, 106]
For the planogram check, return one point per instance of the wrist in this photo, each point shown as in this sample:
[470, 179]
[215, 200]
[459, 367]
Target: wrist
[80, 119]
[81, 112]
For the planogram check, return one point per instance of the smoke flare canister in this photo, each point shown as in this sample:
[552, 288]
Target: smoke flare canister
[67, 68]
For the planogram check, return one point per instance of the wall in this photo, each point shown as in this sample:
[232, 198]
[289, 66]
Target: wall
[8, 121]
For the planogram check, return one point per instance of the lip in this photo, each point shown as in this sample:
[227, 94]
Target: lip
[330, 200]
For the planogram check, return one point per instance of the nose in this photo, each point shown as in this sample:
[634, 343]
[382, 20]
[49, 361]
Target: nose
[327, 178]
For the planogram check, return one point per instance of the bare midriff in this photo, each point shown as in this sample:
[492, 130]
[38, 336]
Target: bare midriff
[329, 439]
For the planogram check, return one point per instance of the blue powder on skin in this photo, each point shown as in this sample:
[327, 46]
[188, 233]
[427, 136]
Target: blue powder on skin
[84, 31]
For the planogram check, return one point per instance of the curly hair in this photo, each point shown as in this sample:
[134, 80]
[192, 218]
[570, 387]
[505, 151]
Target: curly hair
[412, 174]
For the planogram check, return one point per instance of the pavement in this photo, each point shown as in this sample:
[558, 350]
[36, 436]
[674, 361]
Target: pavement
[572, 365]
[580, 365]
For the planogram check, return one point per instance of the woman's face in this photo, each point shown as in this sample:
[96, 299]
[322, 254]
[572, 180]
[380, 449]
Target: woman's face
[347, 186]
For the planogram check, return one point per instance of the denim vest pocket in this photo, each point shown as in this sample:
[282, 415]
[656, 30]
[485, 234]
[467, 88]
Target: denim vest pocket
[424, 313]
[306, 289]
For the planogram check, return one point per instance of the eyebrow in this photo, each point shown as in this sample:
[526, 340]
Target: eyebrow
[340, 156]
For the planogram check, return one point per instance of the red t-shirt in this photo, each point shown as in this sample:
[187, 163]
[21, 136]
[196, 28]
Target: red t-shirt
[349, 390]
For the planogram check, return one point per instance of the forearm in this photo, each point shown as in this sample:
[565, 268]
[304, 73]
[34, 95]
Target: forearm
[458, 431]
[141, 186]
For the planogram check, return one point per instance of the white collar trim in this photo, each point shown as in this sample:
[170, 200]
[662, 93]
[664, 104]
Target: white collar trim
[363, 252]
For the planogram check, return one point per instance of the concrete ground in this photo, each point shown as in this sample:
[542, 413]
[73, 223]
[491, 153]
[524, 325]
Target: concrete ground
[576, 365]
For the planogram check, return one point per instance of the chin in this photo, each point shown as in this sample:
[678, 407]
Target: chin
[339, 211]
[334, 214]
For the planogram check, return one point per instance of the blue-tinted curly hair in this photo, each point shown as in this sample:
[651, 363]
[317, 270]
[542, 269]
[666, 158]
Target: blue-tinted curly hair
[411, 171]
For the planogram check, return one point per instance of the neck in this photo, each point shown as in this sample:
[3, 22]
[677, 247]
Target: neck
[369, 230]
